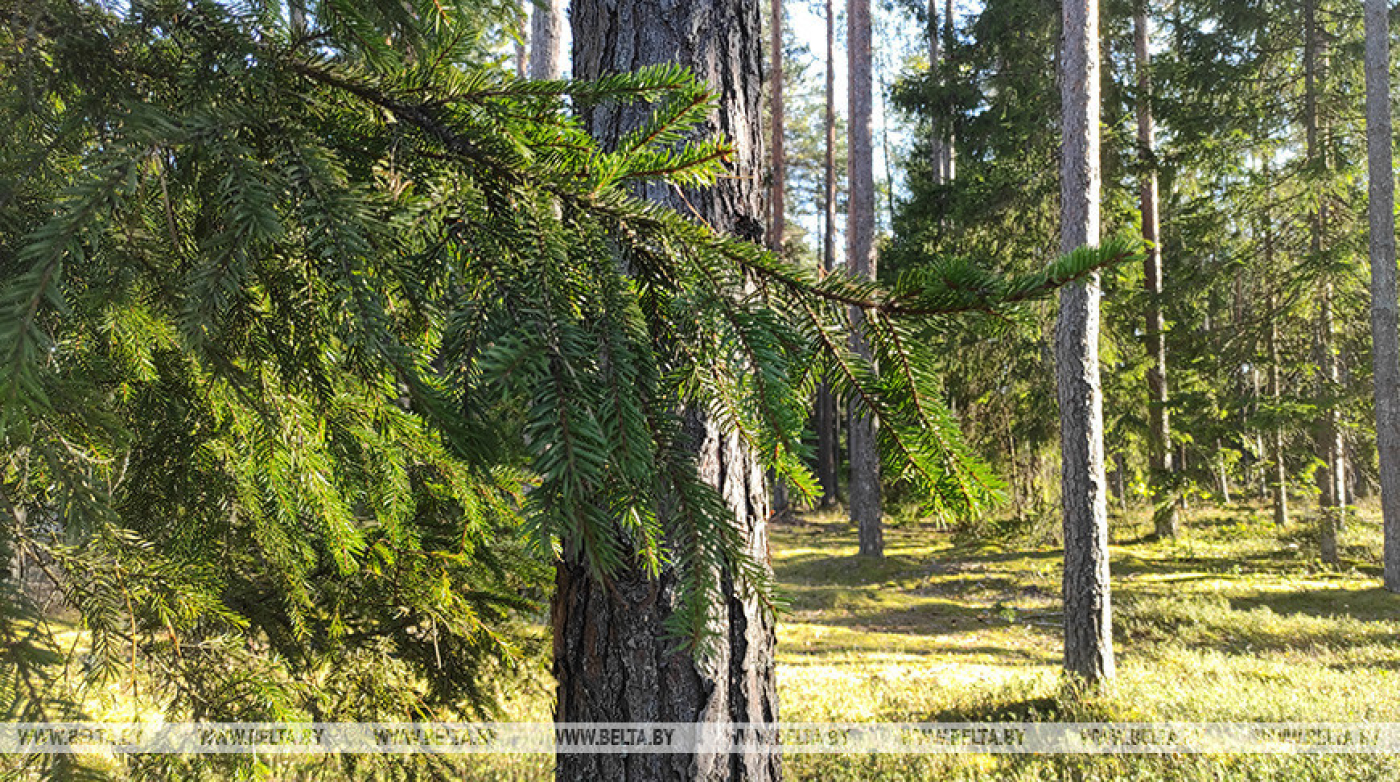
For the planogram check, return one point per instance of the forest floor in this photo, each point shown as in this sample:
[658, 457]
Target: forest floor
[1235, 621]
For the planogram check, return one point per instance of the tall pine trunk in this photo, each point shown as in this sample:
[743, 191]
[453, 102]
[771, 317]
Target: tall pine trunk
[950, 160]
[1088, 636]
[827, 422]
[547, 39]
[777, 223]
[612, 659]
[777, 201]
[860, 259]
[1280, 482]
[522, 34]
[1159, 438]
[935, 58]
[1276, 445]
[1385, 340]
[937, 154]
[940, 41]
[1331, 478]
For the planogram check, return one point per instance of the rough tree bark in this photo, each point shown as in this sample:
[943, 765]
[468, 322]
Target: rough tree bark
[777, 223]
[777, 201]
[547, 39]
[1088, 636]
[1385, 339]
[1159, 437]
[1331, 478]
[522, 34]
[827, 439]
[612, 659]
[860, 259]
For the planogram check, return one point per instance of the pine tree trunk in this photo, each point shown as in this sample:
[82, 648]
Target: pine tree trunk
[1183, 498]
[1120, 481]
[1257, 473]
[1159, 439]
[1360, 486]
[1385, 351]
[1280, 482]
[547, 39]
[1221, 475]
[777, 206]
[1015, 478]
[940, 41]
[612, 659]
[1261, 473]
[296, 16]
[1088, 636]
[1343, 477]
[885, 146]
[826, 445]
[938, 161]
[522, 34]
[778, 219]
[1331, 478]
[827, 421]
[950, 160]
[860, 258]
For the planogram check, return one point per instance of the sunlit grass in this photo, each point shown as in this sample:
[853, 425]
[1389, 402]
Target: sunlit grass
[1234, 621]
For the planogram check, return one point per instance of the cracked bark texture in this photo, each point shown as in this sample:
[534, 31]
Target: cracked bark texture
[1084, 487]
[612, 658]
[1385, 337]
[864, 487]
[547, 39]
[777, 174]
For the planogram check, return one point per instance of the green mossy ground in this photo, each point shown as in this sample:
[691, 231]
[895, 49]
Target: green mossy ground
[1236, 620]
